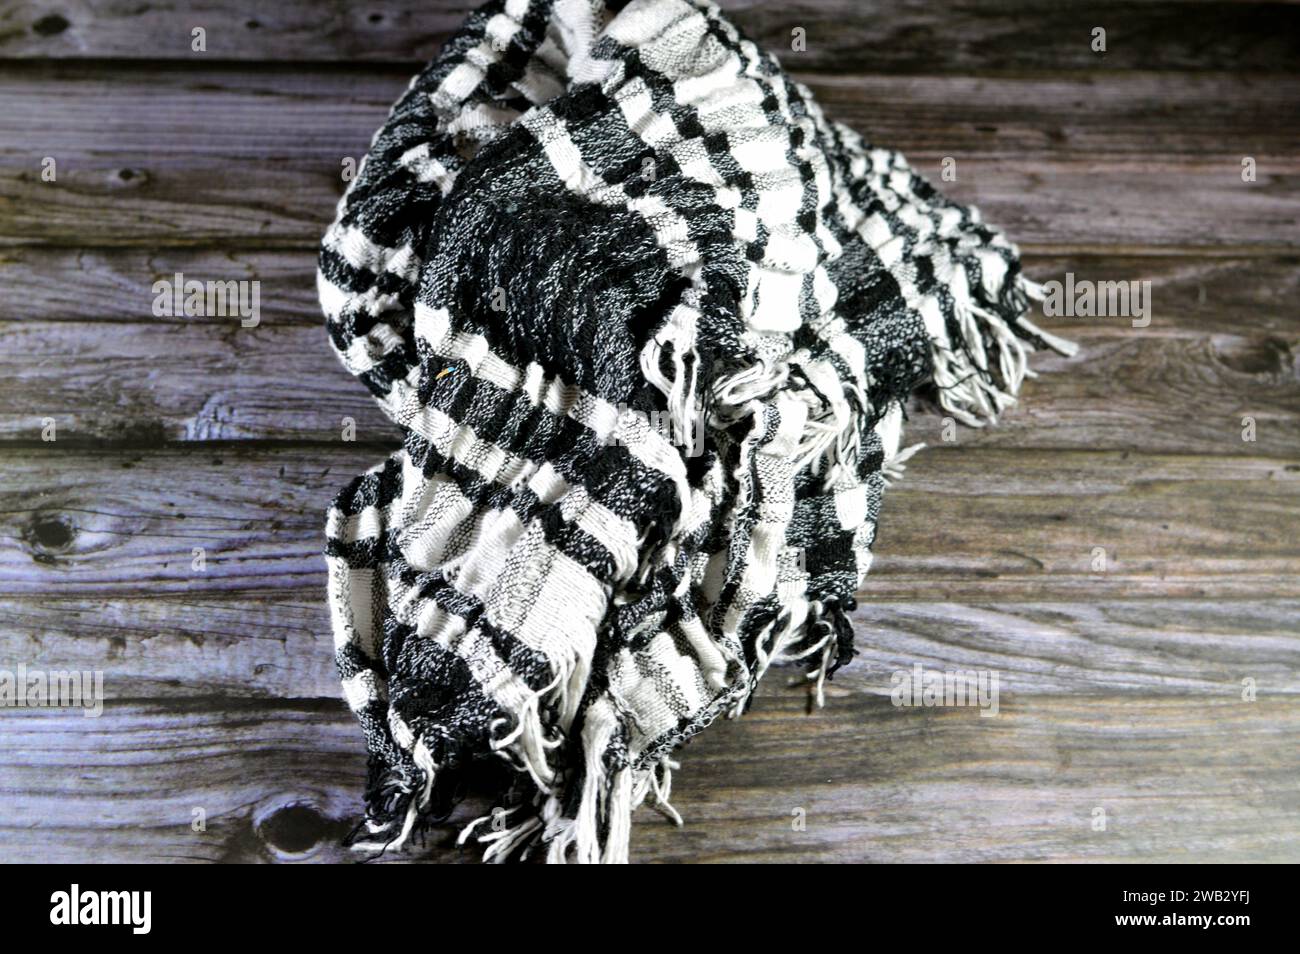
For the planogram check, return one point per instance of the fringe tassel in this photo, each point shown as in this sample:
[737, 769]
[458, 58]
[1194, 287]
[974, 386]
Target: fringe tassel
[528, 748]
[504, 842]
[606, 794]
[895, 466]
[677, 335]
[600, 830]
[657, 782]
[1037, 293]
[528, 745]
[979, 374]
[832, 650]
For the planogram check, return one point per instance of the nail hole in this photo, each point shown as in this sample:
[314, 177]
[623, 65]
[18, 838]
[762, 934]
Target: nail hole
[52, 533]
[51, 25]
[293, 829]
[1269, 356]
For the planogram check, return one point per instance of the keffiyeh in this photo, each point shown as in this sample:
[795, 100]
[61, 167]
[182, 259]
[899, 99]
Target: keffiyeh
[646, 320]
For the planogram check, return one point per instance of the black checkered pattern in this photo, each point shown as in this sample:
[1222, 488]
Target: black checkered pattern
[646, 320]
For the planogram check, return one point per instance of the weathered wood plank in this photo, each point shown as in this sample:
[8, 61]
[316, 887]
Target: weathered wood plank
[1127, 388]
[311, 116]
[278, 644]
[1177, 116]
[966, 524]
[1146, 393]
[1049, 205]
[874, 782]
[1223, 336]
[1121, 686]
[107, 382]
[116, 284]
[234, 158]
[1191, 295]
[910, 36]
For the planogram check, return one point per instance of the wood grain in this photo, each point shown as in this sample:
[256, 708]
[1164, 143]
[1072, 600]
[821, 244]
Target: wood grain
[244, 383]
[116, 284]
[276, 644]
[311, 116]
[910, 35]
[1127, 388]
[966, 524]
[239, 159]
[1191, 294]
[1178, 779]
[1121, 686]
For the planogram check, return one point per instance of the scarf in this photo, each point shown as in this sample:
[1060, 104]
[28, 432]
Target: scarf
[647, 321]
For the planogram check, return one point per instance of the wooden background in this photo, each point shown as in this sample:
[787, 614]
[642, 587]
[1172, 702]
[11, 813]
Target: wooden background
[1121, 690]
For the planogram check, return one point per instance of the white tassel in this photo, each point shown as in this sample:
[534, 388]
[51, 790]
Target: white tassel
[680, 389]
[661, 787]
[528, 743]
[894, 467]
[962, 374]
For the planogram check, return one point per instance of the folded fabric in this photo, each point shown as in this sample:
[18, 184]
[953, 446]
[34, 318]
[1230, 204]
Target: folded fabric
[647, 321]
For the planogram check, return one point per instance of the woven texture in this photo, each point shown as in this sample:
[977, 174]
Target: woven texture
[646, 320]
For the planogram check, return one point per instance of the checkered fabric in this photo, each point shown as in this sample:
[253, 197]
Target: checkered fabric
[646, 321]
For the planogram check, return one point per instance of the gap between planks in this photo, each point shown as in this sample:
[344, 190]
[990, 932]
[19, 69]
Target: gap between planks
[838, 34]
[1032, 165]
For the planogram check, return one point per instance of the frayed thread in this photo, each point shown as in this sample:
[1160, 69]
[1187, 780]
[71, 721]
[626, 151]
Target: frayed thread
[979, 371]
[827, 641]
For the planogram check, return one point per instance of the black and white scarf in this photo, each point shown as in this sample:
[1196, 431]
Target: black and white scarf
[647, 320]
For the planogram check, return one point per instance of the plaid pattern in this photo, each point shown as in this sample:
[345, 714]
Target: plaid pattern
[646, 320]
